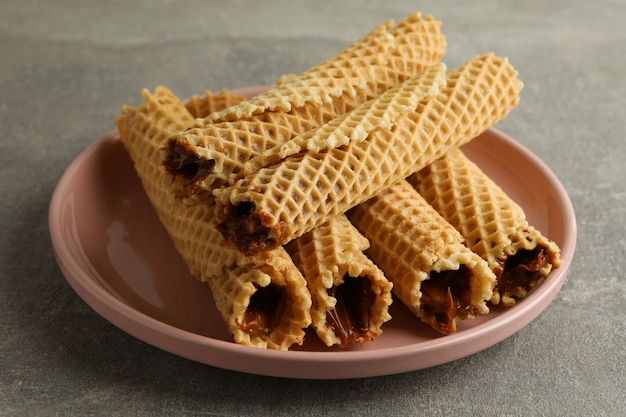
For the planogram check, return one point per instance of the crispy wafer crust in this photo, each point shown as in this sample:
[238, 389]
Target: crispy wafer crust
[281, 202]
[492, 224]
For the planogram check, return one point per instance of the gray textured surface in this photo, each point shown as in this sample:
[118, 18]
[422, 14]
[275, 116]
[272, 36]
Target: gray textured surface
[67, 66]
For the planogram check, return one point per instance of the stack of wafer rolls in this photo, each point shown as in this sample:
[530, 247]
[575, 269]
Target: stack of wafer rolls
[263, 298]
[314, 201]
[492, 224]
[212, 152]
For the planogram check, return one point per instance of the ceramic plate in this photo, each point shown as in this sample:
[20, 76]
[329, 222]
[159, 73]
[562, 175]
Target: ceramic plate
[116, 255]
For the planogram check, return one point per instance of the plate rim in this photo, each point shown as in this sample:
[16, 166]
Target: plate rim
[254, 360]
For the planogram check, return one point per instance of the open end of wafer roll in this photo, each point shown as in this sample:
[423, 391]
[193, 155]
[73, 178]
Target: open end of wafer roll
[264, 311]
[349, 319]
[180, 158]
[244, 229]
[522, 271]
[350, 294]
[262, 307]
[447, 298]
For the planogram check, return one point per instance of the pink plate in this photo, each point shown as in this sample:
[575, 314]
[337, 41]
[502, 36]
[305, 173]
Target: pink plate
[116, 255]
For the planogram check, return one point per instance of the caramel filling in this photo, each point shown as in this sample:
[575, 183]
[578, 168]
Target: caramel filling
[350, 319]
[181, 161]
[264, 312]
[446, 296]
[244, 229]
[520, 272]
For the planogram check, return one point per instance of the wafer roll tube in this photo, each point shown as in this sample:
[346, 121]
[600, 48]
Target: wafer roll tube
[281, 202]
[492, 224]
[350, 294]
[263, 299]
[212, 152]
[378, 113]
[437, 277]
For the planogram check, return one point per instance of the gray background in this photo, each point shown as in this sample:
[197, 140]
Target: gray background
[67, 66]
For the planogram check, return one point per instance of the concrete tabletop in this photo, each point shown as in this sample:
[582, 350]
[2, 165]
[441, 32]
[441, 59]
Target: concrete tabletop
[66, 68]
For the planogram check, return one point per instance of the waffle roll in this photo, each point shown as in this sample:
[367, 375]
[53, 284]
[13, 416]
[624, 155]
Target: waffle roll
[378, 113]
[211, 153]
[281, 202]
[350, 294]
[492, 224]
[433, 273]
[263, 298]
